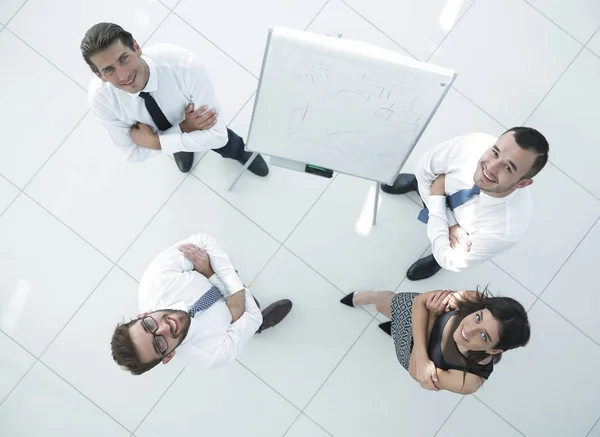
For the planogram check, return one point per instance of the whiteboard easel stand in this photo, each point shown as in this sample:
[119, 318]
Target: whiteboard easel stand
[446, 86]
[246, 165]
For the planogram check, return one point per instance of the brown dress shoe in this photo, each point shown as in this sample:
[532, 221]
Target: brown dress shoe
[275, 313]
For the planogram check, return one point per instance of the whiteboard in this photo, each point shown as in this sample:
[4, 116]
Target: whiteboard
[344, 105]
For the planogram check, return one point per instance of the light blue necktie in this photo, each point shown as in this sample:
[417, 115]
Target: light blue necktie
[206, 300]
[453, 201]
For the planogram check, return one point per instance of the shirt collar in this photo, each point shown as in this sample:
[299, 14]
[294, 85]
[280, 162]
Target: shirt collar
[485, 199]
[152, 84]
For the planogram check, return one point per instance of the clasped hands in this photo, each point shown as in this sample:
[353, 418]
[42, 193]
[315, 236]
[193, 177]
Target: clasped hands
[201, 261]
[200, 119]
[427, 374]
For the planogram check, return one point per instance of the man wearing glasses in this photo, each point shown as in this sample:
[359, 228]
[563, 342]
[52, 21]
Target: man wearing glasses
[193, 303]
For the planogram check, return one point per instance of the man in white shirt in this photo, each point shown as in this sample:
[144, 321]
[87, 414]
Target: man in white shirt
[157, 101]
[476, 196]
[193, 305]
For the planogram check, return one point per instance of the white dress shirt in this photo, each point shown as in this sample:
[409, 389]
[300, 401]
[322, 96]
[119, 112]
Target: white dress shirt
[177, 78]
[493, 224]
[170, 282]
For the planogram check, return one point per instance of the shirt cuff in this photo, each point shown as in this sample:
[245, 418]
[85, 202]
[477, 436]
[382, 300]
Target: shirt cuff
[437, 206]
[451, 219]
[170, 140]
[214, 280]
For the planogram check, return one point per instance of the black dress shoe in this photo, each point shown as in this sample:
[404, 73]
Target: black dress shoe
[184, 160]
[275, 313]
[386, 327]
[348, 299]
[258, 167]
[423, 269]
[403, 184]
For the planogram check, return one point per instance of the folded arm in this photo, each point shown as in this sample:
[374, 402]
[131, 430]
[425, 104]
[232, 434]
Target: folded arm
[238, 334]
[199, 87]
[227, 279]
[421, 368]
[120, 133]
[484, 246]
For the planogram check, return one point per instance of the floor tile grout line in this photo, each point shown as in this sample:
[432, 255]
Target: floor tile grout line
[382, 32]
[450, 31]
[470, 100]
[81, 393]
[592, 428]
[554, 22]
[159, 24]
[573, 180]
[157, 401]
[10, 203]
[535, 295]
[15, 14]
[310, 209]
[568, 321]
[316, 423]
[55, 150]
[47, 60]
[499, 415]
[336, 367]
[558, 79]
[292, 424]
[68, 227]
[18, 382]
[10, 337]
[127, 273]
[214, 44]
[449, 416]
[343, 293]
[569, 257]
[151, 219]
[74, 314]
[592, 52]
[234, 207]
[267, 384]
[314, 18]
[308, 418]
[251, 283]
[35, 360]
[168, 7]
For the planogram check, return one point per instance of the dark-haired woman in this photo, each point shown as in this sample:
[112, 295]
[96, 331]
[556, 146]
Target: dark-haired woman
[449, 340]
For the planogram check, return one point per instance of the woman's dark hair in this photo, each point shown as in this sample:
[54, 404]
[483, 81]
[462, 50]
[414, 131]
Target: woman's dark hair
[514, 329]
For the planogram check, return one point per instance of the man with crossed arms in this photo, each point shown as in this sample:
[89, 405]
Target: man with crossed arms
[193, 305]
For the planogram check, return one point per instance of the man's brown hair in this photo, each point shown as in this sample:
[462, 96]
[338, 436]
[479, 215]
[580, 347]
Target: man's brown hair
[100, 37]
[124, 352]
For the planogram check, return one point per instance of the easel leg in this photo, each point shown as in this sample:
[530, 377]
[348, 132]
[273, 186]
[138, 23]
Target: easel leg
[376, 202]
[244, 169]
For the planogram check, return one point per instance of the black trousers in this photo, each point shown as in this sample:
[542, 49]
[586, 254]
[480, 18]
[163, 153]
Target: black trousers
[234, 148]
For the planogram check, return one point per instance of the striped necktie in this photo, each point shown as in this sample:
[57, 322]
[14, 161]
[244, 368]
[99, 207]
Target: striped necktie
[206, 300]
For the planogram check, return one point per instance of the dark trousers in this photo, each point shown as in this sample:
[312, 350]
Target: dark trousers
[234, 148]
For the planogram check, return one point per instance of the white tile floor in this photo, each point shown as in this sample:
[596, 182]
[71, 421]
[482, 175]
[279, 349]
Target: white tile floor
[78, 226]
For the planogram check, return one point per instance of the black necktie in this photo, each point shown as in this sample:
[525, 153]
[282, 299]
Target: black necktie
[155, 112]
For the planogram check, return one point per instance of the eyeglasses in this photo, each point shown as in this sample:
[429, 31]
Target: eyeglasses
[160, 342]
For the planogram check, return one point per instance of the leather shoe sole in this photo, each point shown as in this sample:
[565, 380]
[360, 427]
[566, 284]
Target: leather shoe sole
[275, 313]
